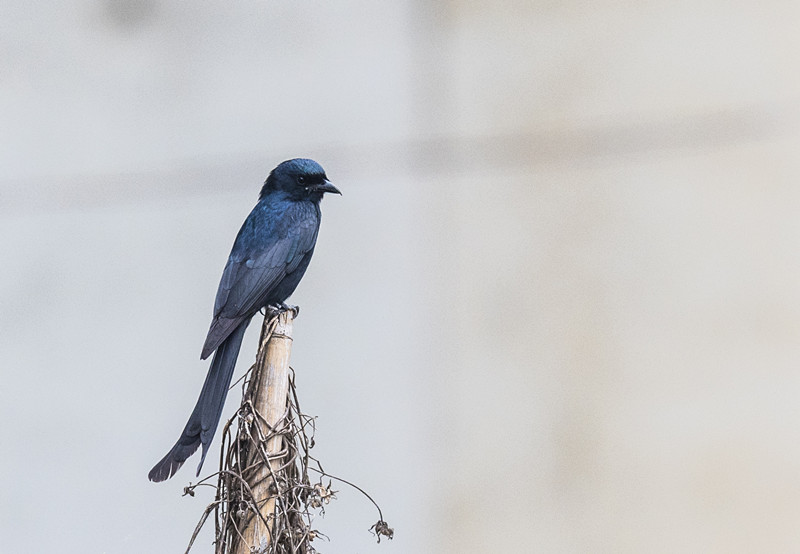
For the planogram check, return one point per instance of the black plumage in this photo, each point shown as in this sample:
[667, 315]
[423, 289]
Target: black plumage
[267, 261]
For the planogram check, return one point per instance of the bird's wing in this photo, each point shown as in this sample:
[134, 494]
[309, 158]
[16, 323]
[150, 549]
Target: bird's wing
[248, 280]
[251, 274]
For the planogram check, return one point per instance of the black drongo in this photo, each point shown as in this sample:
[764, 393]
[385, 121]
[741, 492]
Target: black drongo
[267, 261]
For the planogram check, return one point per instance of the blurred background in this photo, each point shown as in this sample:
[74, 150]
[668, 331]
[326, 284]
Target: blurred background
[556, 309]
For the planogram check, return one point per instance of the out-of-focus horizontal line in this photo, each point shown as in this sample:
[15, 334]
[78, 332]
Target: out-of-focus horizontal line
[627, 142]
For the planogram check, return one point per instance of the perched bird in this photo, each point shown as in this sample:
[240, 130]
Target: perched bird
[267, 261]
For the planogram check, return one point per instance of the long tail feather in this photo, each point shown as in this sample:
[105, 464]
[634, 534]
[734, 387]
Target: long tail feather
[203, 422]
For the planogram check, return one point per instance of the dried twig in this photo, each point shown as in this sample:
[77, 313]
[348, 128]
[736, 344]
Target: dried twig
[264, 482]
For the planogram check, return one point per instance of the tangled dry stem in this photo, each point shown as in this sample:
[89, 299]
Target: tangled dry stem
[298, 497]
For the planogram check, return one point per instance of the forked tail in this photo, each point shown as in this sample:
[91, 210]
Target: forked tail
[203, 422]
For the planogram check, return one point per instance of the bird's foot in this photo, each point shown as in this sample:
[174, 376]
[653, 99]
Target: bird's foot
[281, 307]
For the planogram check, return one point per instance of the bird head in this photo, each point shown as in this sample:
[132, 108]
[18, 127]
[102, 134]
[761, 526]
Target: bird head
[300, 179]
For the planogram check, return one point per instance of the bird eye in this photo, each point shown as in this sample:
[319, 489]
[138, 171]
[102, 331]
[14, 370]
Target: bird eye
[301, 180]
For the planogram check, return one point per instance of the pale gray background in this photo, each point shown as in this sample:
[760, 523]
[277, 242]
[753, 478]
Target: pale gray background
[556, 310]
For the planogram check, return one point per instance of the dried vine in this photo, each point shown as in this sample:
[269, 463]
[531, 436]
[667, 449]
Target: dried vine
[298, 498]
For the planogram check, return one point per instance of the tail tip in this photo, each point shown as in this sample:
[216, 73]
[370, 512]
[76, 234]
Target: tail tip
[164, 469]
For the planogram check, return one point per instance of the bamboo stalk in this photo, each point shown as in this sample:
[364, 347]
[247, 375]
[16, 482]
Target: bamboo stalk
[268, 393]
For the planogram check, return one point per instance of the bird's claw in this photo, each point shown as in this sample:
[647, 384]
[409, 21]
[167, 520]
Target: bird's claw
[281, 307]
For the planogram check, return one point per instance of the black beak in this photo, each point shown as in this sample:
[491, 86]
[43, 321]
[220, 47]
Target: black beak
[326, 186]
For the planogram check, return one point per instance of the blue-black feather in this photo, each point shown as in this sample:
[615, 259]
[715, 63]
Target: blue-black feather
[269, 257]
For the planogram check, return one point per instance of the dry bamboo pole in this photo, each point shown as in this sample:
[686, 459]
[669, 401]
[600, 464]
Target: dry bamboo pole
[268, 392]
